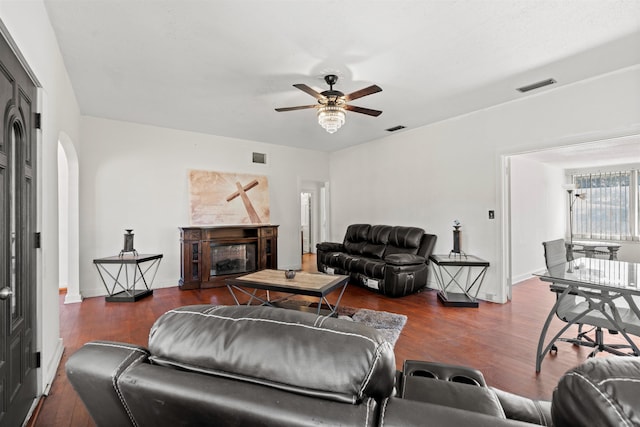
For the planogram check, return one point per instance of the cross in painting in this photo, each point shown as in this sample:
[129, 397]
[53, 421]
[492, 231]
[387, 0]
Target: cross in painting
[242, 192]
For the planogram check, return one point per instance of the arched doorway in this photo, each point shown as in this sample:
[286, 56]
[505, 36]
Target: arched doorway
[68, 219]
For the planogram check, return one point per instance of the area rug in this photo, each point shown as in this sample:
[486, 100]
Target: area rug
[389, 324]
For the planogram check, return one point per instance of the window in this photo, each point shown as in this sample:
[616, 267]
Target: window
[608, 206]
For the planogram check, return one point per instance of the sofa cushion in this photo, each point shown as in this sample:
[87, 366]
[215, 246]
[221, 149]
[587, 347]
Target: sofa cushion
[377, 241]
[356, 238]
[370, 267]
[344, 261]
[313, 355]
[404, 240]
[162, 397]
[326, 258]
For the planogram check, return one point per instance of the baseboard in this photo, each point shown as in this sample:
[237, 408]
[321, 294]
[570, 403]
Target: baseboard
[72, 299]
[32, 416]
[483, 296]
[94, 292]
[52, 368]
[522, 277]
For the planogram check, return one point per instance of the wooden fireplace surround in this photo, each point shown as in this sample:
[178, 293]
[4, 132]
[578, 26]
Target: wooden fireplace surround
[195, 250]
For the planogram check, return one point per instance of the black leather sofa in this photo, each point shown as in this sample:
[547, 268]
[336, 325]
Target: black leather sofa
[394, 260]
[263, 366]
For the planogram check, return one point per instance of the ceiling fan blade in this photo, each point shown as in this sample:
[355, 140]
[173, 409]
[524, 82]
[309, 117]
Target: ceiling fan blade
[302, 107]
[363, 92]
[363, 110]
[303, 87]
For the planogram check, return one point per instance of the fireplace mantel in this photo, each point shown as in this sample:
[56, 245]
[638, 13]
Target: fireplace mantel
[198, 246]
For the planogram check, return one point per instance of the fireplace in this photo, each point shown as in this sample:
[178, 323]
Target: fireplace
[232, 258]
[210, 255]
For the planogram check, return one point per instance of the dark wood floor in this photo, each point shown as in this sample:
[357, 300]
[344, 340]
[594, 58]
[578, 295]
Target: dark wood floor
[498, 339]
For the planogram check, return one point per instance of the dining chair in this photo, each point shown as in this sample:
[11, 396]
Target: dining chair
[571, 306]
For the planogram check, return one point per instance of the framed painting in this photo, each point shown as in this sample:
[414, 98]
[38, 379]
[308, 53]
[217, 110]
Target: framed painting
[217, 198]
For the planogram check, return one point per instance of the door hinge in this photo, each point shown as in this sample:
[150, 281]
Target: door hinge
[38, 359]
[37, 240]
[37, 120]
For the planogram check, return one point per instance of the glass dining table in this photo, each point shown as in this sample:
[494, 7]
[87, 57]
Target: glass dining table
[592, 247]
[610, 288]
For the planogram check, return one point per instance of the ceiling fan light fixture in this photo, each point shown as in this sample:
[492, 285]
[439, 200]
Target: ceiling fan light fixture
[332, 104]
[331, 117]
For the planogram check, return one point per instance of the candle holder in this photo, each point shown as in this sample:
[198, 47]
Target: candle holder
[128, 243]
[456, 240]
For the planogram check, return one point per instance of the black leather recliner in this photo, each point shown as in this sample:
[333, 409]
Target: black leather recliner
[264, 366]
[391, 260]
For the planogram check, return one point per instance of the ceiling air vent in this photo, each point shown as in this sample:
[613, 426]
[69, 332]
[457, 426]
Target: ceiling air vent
[537, 85]
[259, 158]
[395, 128]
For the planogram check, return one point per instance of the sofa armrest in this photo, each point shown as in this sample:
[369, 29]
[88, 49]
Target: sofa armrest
[524, 409]
[600, 392]
[404, 259]
[404, 274]
[330, 247]
[94, 372]
[396, 412]
[427, 245]
[473, 398]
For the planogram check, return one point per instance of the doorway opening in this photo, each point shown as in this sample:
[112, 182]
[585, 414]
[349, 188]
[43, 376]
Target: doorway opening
[534, 201]
[305, 222]
[314, 221]
[68, 221]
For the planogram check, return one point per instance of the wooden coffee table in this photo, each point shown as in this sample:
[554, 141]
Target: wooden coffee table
[311, 284]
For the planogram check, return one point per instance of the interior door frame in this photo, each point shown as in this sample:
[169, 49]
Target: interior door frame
[36, 141]
[320, 225]
[311, 238]
[504, 178]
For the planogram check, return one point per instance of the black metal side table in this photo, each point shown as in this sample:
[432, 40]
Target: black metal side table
[448, 270]
[123, 289]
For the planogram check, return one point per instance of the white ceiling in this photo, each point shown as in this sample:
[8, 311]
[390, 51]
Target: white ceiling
[221, 66]
[613, 151]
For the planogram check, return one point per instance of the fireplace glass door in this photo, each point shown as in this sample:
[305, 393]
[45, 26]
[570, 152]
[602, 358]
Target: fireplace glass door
[233, 258]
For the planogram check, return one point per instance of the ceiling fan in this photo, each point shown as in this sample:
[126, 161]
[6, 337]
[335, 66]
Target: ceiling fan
[333, 103]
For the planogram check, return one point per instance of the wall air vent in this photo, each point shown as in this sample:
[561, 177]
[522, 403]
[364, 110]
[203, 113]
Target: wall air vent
[537, 85]
[395, 128]
[259, 158]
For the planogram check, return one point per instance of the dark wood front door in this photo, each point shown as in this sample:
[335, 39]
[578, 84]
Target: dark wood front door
[18, 383]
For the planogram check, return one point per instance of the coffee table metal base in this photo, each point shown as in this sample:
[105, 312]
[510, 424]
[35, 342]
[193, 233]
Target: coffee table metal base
[269, 281]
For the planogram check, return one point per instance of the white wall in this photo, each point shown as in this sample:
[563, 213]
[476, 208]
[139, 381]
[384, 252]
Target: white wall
[629, 252]
[63, 222]
[28, 25]
[135, 176]
[538, 213]
[452, 169]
